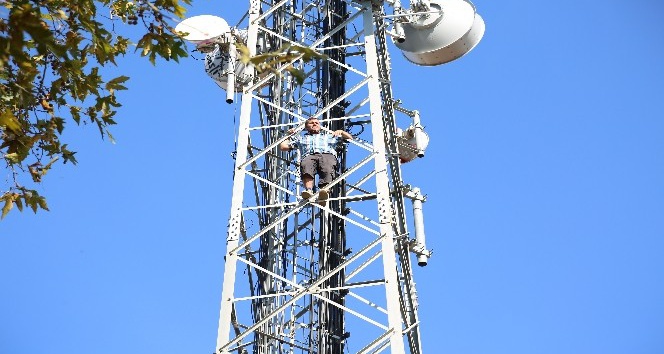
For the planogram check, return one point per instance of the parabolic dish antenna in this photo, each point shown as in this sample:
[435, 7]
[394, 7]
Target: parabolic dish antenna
[203, 28]
[444, 36]
[217, 65]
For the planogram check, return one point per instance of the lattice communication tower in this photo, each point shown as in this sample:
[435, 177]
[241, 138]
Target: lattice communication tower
[327, 278]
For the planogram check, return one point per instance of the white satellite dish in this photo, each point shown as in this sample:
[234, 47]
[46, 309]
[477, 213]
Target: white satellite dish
[444, 36]
[221, 57]
[203, 28]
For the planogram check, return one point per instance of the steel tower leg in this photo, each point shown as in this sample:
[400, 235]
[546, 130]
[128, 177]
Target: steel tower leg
[385, 212]
[234, 225]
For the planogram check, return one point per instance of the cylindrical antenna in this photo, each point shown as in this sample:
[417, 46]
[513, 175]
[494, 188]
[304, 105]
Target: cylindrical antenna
[420, 238]
[421, 140]
[232, 58]
[398, 32]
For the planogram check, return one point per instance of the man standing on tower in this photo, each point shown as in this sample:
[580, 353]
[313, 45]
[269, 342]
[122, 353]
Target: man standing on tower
[318, 156]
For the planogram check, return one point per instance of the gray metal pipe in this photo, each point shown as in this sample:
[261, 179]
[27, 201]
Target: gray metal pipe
[420, 248]
[420, 139]
[232, 54]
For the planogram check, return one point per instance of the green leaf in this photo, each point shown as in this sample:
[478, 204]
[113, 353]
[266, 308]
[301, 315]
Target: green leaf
[75, 114]
[308, 53]
[35, 173]
[13, 158]
[32, 203]
[110, 137]
[9, 121]
[298, 74]
[42, 203]
[59, 123]
[19, 204]
[245, 56]
[115, 84]
[9, 199]
[9, 204]
[68, 155]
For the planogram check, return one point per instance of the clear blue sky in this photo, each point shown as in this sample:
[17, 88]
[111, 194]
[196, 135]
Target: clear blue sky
[545, 211]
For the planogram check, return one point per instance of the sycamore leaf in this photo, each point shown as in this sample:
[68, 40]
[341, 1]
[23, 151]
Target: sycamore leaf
[8, 120]
[245, 56]
[32, 203]
[287, 54]
[13, 157]
[308, 53]
[35, 173]
[42, 203]
[298, 74]
[179, 11]
[75, 114]
[116, 83]
[9, 203]
[110, 136]
[257, 59]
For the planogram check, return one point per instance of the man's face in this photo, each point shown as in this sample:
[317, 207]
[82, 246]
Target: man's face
[312, 126]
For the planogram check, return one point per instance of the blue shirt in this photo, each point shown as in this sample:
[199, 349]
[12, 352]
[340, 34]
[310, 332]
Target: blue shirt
[308, 144]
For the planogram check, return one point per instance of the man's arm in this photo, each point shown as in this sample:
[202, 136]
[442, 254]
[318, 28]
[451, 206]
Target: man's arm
[342, 133]
[286, 144]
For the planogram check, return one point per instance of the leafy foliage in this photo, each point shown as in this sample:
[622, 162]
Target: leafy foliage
[287, 54]
[51, 57]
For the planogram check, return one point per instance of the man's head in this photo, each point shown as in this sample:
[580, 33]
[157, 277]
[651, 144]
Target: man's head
[312, 125]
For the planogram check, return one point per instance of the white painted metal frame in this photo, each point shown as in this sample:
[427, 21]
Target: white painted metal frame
[377, 232]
